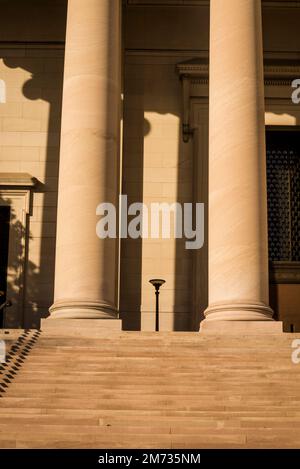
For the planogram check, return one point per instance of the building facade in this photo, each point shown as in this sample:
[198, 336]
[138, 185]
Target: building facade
[178, 101]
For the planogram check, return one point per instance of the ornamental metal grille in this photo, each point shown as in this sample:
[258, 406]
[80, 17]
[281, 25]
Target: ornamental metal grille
[283, 180]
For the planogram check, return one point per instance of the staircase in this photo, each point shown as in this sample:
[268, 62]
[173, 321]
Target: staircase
[149, 390]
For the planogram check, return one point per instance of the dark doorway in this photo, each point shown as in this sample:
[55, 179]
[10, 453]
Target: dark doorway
[4, 241]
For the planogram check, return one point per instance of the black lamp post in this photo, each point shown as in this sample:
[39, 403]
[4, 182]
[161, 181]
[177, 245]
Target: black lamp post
[157, 283]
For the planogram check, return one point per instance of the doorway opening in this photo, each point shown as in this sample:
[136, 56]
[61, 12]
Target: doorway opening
[4, 244]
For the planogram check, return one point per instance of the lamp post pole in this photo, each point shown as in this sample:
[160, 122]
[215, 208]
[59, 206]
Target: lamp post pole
[157, 283]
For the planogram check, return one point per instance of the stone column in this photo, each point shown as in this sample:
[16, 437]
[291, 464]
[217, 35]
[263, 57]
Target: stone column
[86, 266]
[238, 244]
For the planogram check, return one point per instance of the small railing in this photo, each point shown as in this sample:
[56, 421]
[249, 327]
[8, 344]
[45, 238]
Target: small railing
[6, 304]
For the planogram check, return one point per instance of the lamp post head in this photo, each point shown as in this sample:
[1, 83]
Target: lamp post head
[157, 283]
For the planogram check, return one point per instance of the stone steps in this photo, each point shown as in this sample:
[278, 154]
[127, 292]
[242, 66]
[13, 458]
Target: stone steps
[148, 390]
[242, 419]
[130, 392]
[139, 404]
[85, 431]
[208, 439]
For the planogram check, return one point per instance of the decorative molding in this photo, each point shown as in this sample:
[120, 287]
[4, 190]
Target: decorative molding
[285, 272]
[194, 75]
[17, 180]
[32, 45]
[282, 71]
[168, 3]
[205, 3]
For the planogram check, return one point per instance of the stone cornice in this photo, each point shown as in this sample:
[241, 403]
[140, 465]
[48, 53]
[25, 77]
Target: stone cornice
[205, 3]
[280, 72]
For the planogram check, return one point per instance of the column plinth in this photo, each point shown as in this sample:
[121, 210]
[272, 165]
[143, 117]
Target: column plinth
[238, 235]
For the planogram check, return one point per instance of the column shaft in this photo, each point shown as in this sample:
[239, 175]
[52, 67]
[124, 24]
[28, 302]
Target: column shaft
[86, 267]
[238, 248]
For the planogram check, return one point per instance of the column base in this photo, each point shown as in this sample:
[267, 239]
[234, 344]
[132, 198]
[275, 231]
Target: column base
[83, 310]
[240, 318]
[241, 327]
[238, 312]
[80, 328]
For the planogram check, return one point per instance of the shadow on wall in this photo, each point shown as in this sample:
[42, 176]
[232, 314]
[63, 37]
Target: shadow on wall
[142, 98]
[151, 92]
[39, 279]
[132, 249]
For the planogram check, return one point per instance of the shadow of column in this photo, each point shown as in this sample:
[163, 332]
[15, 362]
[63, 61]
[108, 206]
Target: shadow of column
[39, 280]
[132, 186]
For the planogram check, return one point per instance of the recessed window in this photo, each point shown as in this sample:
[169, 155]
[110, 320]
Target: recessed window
[283, 182]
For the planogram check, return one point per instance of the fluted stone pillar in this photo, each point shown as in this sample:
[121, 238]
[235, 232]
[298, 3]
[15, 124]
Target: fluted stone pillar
[86, 266]
[238, 245]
